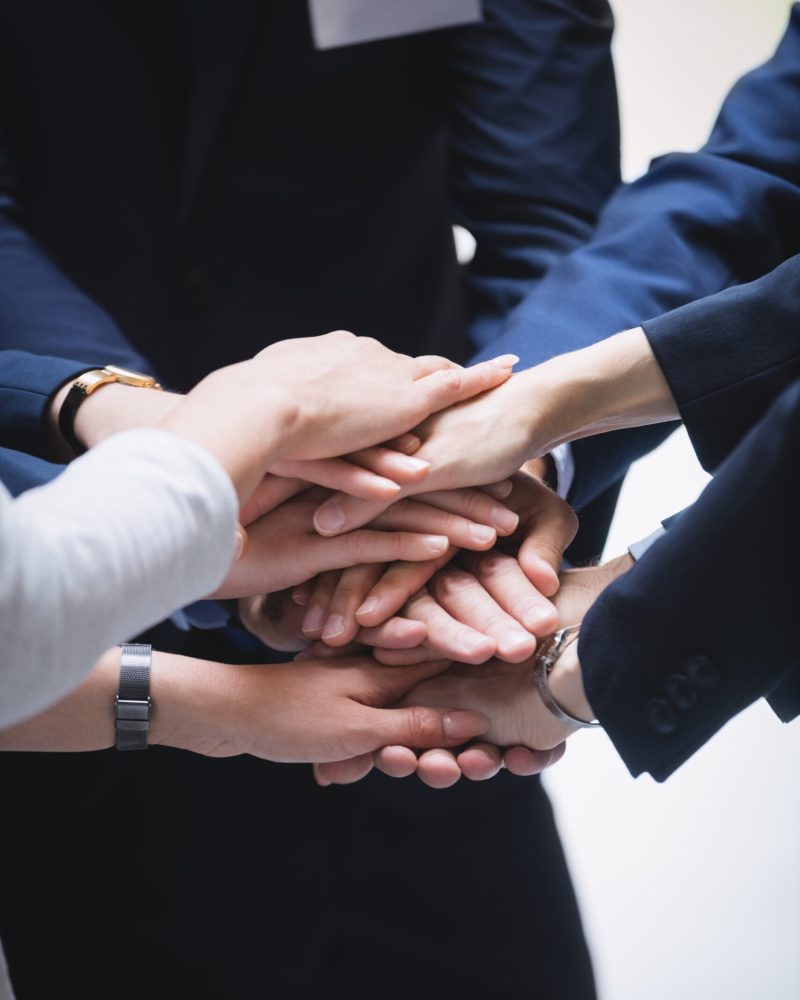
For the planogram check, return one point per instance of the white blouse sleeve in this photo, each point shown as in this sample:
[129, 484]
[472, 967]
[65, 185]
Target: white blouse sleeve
[139, 526]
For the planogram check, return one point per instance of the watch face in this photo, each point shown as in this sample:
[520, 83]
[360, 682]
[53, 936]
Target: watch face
[132, 378]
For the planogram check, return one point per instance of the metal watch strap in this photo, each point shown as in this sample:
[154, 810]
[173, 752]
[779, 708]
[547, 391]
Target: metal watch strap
[132, 705]
[544, 662]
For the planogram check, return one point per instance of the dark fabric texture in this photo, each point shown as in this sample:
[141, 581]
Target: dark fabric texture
[181, 184]
[695, 224]
[706, 621]
[727, 357]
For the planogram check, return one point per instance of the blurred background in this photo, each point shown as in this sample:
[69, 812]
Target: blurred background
[689, 889]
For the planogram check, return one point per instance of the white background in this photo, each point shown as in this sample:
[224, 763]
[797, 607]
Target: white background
[690, 890]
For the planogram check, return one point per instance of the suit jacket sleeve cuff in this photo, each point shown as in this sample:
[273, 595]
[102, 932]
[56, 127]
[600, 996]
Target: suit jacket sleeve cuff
[26, 384]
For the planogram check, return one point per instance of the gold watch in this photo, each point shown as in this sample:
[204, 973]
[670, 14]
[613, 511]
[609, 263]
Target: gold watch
[87, 383]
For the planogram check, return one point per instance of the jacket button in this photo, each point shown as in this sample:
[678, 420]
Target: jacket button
[680, 692]
[660, 717]
[702, 672]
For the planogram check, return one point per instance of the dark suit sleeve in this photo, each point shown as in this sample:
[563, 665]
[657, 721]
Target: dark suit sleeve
[26, 384]
[42, 312]
[20, 472]
[727, 357]
[695, 224]
[706, 622]
[534, 142]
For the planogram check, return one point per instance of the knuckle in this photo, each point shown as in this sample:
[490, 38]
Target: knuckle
[399, 543]
[451, 583]
[423, 726]
[494, 564]
[417, 600]
[359, 541]
[346, 592]
[474, 502]
[452, 524]
[451, 379]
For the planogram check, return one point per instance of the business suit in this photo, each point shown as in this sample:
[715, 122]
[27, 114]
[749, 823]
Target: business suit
[706, 621]
[306, 191]
[695, 224]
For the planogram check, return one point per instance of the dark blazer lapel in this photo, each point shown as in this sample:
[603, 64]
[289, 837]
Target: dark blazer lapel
[219, 33]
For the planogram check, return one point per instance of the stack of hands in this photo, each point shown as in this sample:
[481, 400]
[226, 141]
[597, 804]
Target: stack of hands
[398, 534]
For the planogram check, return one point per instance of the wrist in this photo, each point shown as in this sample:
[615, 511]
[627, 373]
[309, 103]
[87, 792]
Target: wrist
[111, 408]
[195, 704]
[566, 685]
[613, 384]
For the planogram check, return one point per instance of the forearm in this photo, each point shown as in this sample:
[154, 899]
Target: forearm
[181, 690]
[84, 720]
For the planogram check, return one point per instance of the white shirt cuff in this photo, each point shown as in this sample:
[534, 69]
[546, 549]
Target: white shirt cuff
[638, 549]
[565, 469]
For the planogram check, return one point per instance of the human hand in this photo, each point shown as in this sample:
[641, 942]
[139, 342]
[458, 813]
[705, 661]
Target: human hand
[499, 427]
[318, 398]
[471, 519]
[292, 712]
[283, 549]
[439, 768]
[352, 392]
[579, 589]
[410, 530]
[490, 605]
[507, 696]
[298, 712]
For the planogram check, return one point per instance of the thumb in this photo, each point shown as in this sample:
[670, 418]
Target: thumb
[270, 493]
[422, 728]
[542, 550]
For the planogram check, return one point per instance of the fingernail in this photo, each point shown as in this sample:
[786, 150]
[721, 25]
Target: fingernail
[535, 617]
[515, 637]
[500, 490]
[239, 539]
[507, 360]
[389, 485]
[333, 626]
[330, 517]
[504, 520]
[482, 533]
[459, 725]
[405, 627]
[407, 442]
[435, 544]
[369, 606]
[300, 597]
[412, 464]
[314, 620]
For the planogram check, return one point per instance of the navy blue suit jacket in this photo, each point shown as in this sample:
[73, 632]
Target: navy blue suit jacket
[706, 622]
[174, 200]
[175, 195]
[695, 224]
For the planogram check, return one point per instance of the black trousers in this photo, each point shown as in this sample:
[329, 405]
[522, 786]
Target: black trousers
[165, 876]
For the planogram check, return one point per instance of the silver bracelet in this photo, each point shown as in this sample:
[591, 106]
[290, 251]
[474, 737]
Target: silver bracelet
[544, 662]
